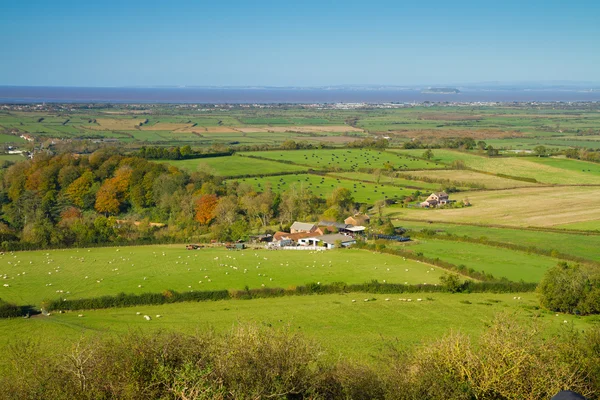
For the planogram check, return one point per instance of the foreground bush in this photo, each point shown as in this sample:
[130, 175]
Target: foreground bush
[510, 361]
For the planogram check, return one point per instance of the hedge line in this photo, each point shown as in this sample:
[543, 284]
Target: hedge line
[9, 310]
[127, 300]
[168, 296]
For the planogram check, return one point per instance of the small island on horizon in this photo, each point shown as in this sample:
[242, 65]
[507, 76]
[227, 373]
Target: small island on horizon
[441, 90]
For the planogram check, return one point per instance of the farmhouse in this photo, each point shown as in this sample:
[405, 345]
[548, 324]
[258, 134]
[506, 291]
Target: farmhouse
[358, 219]
[436, 200]
[303, 227]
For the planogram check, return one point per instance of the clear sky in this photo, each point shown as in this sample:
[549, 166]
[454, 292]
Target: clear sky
[296, 43]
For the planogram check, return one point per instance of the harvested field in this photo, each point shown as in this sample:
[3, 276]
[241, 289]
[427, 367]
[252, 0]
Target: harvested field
[544, 207]
[470, 177]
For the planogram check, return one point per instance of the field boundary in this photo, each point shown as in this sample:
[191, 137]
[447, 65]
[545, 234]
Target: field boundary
[123, 300]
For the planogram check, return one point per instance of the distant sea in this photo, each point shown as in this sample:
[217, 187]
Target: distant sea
[29, 94]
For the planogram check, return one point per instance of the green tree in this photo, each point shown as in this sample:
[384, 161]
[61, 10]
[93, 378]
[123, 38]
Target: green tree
[428, 154]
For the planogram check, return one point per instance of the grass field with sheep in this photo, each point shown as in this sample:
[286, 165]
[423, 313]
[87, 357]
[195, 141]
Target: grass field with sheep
[348, 159]
[344, 324]
[323, 186]
[29, 278]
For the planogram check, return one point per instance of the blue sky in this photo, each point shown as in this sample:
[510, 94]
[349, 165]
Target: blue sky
[287, 43]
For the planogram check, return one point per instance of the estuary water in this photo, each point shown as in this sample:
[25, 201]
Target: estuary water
[38, 94]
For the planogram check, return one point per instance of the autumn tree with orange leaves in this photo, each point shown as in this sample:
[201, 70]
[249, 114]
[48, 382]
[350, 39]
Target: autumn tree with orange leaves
[205, 208]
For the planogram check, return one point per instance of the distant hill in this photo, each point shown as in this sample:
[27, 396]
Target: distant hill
[442, 90]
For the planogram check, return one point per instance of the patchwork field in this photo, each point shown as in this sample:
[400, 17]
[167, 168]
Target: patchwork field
[579, 245]
[323, 186]
[544, 170]
[502, 263]
[38, 275]
[235, 166]
[347, 159]
[545, 207]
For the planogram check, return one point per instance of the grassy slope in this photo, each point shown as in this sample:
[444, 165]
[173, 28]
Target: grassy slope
[123, 269]
[578, 245]
[355, 330]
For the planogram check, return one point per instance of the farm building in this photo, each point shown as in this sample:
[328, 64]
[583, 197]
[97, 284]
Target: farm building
[303, 227]
[358, 219]
[328, 241]
[436, 200]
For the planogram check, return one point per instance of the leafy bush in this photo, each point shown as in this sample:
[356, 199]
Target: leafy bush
[571, 289]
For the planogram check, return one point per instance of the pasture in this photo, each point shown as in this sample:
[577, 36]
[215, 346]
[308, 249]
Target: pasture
[348, 159]
[585, 246]
[35, 276]
[541, 207]
[354, 330]
[323, 186]
[502, 263]
[231, 166]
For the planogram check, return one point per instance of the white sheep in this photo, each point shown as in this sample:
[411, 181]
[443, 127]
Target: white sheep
[147, 317]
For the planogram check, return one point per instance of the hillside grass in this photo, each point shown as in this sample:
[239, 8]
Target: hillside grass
[358, 330]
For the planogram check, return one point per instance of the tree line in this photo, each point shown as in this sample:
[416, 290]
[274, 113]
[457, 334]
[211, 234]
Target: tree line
[108, 197]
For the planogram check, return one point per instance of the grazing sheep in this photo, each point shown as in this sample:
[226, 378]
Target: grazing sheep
[419, 299]
[158, 315]
[354, 301]
[147, 317]
[138, 313]
[80, 315]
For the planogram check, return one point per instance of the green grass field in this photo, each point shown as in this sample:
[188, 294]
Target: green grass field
[358, 330]
[585, 246]
[593, 225]
[82, 273]
[235, 166]
[323, 186]
[347, 159]
[502, 263]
